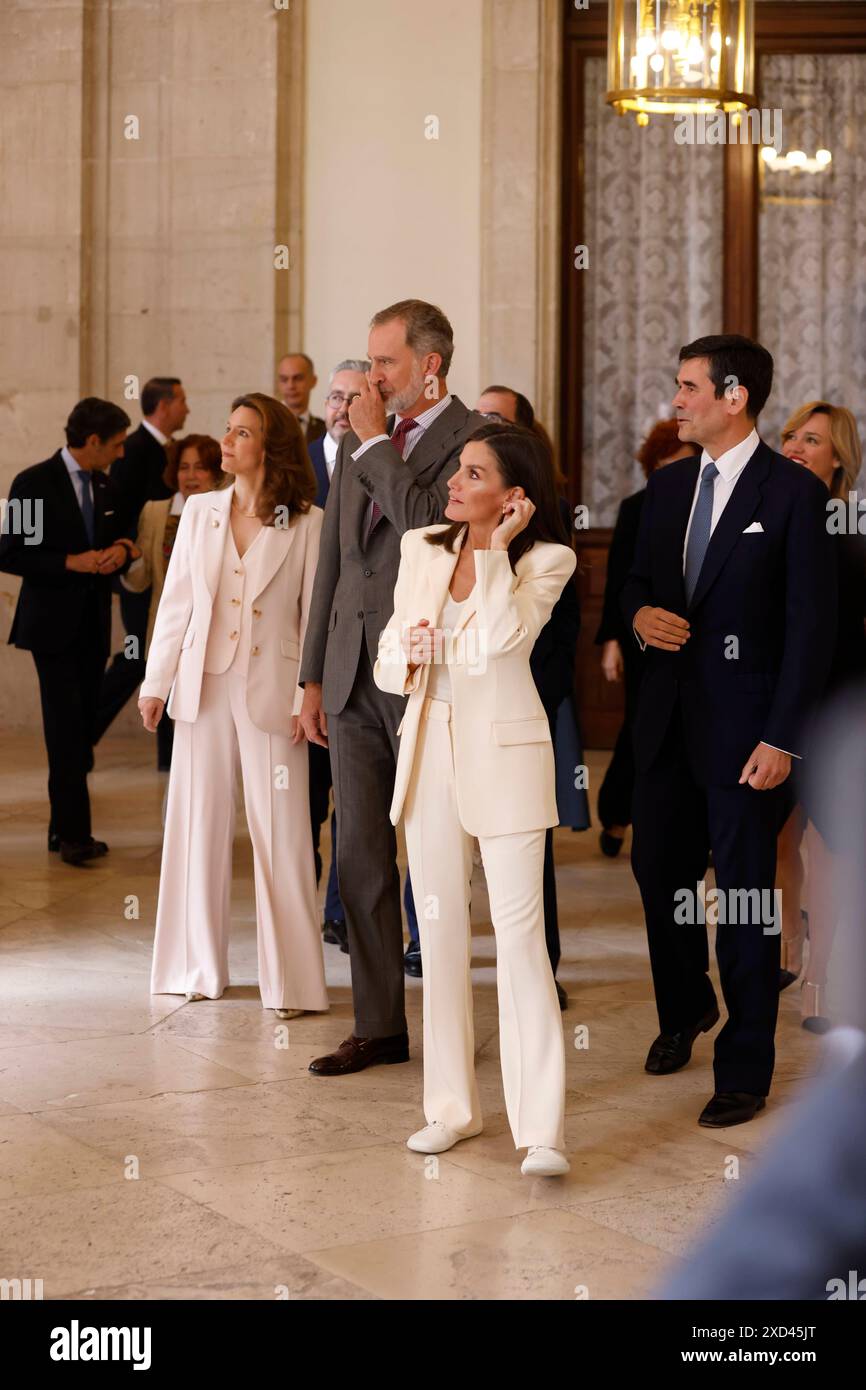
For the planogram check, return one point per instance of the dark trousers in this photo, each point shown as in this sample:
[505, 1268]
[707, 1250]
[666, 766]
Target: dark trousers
[125, 673]
[69, 683]
[617, 789]
[551, 912]
[320, 788]
[164, 742]
[363, 744]
[675, 824]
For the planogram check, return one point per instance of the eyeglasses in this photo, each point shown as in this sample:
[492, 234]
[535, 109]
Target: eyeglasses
[495, 417]
[337, 399]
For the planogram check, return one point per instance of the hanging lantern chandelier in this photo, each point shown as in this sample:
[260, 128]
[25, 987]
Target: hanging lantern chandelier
[670, 56]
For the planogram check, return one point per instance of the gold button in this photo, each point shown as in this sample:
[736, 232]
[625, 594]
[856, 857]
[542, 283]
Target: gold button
[214, 523]
[238, 571]
[255, 651]
[233, 635]
[236, 601]
[257, 612]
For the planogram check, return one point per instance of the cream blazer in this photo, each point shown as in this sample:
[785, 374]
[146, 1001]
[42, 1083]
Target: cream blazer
[149, 539]
[503, 755]
[175, 661]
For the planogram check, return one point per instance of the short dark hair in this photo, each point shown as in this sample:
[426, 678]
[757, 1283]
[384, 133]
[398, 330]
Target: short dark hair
[523, 461]
[159, 388]
[94, 416]
[523, 411]
[731, 355]
[427, 328]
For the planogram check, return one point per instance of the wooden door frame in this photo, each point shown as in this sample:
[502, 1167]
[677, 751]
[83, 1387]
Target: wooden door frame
[817, 26]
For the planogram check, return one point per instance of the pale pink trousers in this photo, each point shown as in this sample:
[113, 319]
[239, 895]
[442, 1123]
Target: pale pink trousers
[531, 1046]
[193, 912]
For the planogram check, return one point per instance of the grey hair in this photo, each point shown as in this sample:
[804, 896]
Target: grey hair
[350, 364]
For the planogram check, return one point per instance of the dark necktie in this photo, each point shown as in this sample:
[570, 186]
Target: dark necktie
[398, 439]
[87, 503]
[699, 533]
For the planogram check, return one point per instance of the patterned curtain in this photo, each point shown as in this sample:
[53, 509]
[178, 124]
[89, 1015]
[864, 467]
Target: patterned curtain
[653, 217]
[812, 294]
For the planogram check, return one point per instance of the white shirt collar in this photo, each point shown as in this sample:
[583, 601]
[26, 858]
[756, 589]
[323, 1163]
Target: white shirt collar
[157, 434]
[329, 448]
[733, 461]
[70, 462]
[426, 418]
[177, 502]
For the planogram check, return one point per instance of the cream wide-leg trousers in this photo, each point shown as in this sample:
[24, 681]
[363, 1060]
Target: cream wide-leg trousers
[530, 1022]
[193, 911]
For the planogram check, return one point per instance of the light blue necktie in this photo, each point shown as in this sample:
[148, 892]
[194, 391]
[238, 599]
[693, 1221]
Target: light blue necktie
[87, 503]
[699, 533]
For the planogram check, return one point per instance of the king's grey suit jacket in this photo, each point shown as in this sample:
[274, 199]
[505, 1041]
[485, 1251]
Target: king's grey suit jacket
[353, 595]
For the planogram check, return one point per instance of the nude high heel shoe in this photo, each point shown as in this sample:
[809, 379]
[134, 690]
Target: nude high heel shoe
[813, 1022]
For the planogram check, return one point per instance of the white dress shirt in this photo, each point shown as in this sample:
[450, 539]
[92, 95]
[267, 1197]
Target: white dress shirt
[329, 448]
[75, 471]
[730, 466]
[157, 434]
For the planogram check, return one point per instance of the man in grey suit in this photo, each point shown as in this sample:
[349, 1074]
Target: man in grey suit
[391, 475]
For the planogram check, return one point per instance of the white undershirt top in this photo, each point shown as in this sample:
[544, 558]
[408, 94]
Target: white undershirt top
[439, 680]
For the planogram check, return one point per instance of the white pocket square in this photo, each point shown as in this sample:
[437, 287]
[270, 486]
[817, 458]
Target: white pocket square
[754, 529]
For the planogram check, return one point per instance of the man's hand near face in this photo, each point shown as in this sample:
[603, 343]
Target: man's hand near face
[367, 414]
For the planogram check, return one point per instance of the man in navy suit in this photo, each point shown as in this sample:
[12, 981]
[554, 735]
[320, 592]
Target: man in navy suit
[63, 615]
[733, 596]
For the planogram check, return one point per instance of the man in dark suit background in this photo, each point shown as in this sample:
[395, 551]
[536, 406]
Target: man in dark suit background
[391, 475]
[63, 614]
[137, 476]
[296, 377]
[621, 658]
[732, 594]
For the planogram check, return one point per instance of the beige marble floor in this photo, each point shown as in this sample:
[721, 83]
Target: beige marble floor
[154, 1149]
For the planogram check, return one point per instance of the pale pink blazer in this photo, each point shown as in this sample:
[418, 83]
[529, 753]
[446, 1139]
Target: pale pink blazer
[281, 605]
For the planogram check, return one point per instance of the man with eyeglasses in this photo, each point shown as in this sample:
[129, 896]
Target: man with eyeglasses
[344, 386]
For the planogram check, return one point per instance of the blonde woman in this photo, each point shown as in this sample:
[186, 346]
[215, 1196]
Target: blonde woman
[226, 644]
[476, 760]
[823, 438]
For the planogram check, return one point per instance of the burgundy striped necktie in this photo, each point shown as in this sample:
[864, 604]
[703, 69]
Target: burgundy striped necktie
[398, 439]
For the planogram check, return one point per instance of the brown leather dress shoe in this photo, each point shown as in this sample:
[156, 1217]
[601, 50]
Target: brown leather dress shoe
[357, 1053]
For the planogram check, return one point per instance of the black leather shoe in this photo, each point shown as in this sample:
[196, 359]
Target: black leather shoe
[671, 1051]
[786, 978]
[610, 844]
[357, 1053]
[336, 933]
[561, 996]
[412, 960]
[53, 841]
[83, 853]
[730, 1108]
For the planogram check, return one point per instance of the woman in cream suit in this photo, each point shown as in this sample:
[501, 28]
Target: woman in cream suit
[226, 645]
[476, 760]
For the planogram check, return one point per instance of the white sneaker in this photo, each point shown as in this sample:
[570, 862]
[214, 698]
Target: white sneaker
[435, 1138]
[544, 1163]
[192, 997]
[288, 1013]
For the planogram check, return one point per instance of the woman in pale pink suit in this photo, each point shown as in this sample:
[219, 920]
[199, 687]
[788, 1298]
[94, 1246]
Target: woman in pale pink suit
[224, 653]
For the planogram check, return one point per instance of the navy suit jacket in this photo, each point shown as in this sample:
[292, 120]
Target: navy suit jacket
[762, 618]
[316, 451]
[53, 601]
